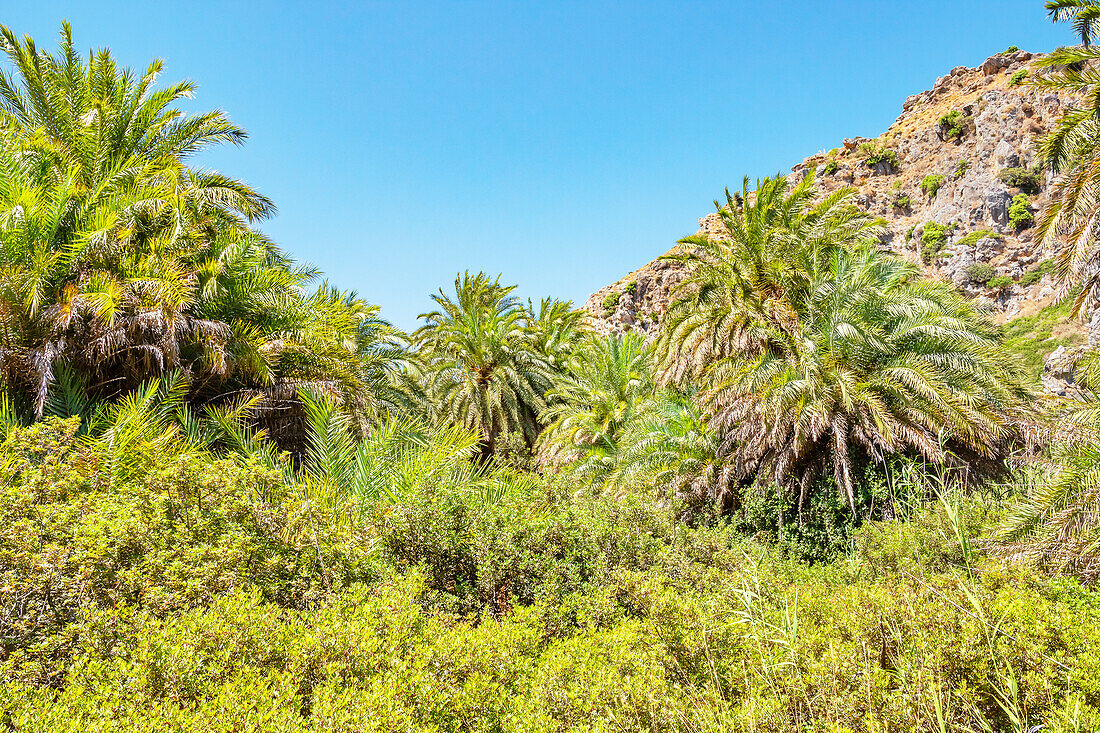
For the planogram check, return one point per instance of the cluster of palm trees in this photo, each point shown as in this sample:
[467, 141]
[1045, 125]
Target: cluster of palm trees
[796, 352]
[120, 261]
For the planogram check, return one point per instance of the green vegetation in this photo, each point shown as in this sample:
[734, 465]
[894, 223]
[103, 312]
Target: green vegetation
[976, 236]
[611, 301]
[1018, 78]
[954, 124]
[1028, 180]
[1019, 212]
[980, 273]
[961, 168]
[933, 239]
[1010, 49]
[931, 184]
[900, 200]
[880, 155]
[1067, 225]
[1036, 273]
[824, 497]
[123, 261]
[1033, 337]
[489, 362]
[831, 166]
[534, 609]
[1000, 283]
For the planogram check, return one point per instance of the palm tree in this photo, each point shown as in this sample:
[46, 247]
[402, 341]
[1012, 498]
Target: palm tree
[740, 276]
[865, 360]
[483, 368]
[107, 125]
[555, 327]
[1056, 522]
[1068, 224]
[606, 381]
[668, 445]
[122, 262]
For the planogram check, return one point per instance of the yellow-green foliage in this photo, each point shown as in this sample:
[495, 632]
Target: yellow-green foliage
[205, 596]
[931, 184]
[1019, 212]
[933, 239]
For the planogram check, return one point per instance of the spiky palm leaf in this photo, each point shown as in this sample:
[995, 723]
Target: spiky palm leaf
[391, 463]
[1068, 224]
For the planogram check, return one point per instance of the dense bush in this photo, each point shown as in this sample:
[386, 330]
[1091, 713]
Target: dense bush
[954, 124]
[636, 624]
[1019, 212]
[980, 272]
[933, 239]
[1028, 180]
[961, 168]
[1000, 282]
[880, 155]
[174, 532]
[1018, 78]
[610, 301]
[931, 184]
[831, 166]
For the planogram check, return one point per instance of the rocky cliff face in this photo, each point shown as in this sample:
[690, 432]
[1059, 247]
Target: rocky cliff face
[944, 177]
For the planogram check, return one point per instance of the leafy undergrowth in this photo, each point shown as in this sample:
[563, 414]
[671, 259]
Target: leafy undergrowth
[1033, 337]
[194, 594]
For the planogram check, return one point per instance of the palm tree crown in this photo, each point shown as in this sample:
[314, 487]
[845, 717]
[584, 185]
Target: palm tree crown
[484, 370]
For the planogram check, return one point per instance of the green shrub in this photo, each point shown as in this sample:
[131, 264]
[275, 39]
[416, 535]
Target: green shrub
[961, 168]
[953, 125]
[1010, 49]
[1001, 282]
[524, 549]
[933, 239]
[974, 237]
[511, 450]
[931, 184]
[901, 200]
[831, 166]
[980, 273]
[1018, 78]
[876, 155]
[1028, 180]
[631, 287]
[1019, 212]
[1036, 273]
[610, 302]
[173, 534]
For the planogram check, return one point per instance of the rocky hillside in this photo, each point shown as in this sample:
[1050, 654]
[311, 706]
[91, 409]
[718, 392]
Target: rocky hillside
[953, 178]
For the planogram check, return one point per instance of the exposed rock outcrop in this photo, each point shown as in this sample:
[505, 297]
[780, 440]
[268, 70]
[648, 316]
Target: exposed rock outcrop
[975, 128]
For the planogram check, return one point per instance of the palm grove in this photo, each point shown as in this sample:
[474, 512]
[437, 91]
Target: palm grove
[235, 496]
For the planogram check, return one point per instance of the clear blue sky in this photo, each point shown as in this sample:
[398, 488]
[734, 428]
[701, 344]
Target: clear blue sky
[562, 144]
